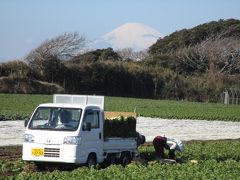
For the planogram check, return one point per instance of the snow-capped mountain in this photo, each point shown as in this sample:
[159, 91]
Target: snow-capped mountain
[130, 35]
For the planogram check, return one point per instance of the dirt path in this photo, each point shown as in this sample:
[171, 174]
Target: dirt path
[187, 130]
[11, 132]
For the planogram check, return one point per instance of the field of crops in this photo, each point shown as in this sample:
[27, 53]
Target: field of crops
[199, 160]
[20, 106]
[212, 160]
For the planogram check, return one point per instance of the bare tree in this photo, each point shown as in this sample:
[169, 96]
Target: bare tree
[224, 54]
[193, 58]
[219, 55]
[64, 46]
[128, 53]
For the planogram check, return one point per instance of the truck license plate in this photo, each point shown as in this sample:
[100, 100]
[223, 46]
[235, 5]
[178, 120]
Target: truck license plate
[37, 152]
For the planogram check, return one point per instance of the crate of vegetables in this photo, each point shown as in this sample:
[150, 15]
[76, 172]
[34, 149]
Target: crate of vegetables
[120, 127]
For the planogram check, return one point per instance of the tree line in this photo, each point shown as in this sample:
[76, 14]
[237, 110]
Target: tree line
[194, 64]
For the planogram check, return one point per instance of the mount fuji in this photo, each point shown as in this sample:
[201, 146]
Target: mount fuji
[130, 35]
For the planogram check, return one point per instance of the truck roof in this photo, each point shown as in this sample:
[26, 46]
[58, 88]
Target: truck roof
[66, 105]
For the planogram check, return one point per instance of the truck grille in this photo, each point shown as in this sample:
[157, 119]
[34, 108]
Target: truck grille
[51, 152]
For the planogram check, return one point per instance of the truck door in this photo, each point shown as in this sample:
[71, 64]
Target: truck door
[92, 138]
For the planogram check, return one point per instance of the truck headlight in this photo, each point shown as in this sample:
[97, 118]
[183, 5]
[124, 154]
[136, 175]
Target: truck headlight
[28, 138]
[72, 140]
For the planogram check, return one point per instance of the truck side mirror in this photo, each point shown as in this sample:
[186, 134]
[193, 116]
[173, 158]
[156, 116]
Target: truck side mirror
[26, 122]
[87, 126]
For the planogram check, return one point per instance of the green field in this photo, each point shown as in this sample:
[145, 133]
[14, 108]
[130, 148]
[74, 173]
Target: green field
[212, 160]
[20, 106]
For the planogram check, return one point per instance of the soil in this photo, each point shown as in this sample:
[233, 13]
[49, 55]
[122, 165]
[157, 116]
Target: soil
[10, 152]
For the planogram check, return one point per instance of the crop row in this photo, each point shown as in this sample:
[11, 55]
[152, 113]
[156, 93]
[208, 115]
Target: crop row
[175, 109]
[20, 106]
[213, 160]
[208, 170]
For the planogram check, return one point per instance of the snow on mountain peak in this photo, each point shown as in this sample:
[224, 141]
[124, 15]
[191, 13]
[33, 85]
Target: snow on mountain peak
[130, 35]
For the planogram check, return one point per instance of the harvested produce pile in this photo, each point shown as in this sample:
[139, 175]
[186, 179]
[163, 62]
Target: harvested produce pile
[120, 127]
[114, 114]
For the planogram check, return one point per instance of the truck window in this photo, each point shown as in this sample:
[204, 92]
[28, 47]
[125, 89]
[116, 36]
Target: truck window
[93, 118]
[56, 118]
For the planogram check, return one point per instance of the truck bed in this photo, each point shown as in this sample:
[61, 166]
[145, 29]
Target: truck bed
[119, 144]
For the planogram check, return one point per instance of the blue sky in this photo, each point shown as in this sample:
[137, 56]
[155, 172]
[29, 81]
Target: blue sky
[25, 24]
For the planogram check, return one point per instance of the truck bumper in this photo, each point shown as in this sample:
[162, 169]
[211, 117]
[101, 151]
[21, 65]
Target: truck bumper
[51, 153]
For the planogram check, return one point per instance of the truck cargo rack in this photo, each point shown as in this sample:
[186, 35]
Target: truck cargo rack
[79, 99]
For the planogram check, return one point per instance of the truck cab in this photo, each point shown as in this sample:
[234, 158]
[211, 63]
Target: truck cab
[70, 130]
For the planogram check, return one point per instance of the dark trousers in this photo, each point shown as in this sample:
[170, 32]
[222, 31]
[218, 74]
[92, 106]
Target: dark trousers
[159, 143]
[171, 154]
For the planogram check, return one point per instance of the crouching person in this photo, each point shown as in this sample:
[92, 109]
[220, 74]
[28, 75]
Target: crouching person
[159, 142]
[141, 139]
[171, 144]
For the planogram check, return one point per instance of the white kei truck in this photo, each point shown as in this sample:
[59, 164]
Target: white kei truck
[70, 130]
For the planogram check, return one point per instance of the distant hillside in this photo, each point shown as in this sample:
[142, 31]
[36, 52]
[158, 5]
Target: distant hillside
[195, 64]
[190, 37]
[18, 77]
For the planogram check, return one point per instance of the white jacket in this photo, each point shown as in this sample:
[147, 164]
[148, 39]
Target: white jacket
[171, 144]
[175, 144]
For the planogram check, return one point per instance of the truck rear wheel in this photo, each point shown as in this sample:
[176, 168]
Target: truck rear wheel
[125, 159]
[111, 159]
[91, 161]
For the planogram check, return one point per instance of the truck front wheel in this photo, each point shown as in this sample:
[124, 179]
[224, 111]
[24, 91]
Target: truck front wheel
[40, 166]
[125, 159]
[91, 161]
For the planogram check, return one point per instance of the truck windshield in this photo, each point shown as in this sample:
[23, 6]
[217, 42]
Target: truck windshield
[56, 118]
